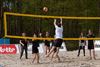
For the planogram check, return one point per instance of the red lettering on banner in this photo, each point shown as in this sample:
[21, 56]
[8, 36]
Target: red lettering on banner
[8, 49]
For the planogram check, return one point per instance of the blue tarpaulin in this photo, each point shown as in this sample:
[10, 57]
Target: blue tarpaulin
[4, 41]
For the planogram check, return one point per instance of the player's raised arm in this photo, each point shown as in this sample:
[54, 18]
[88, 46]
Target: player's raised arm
[54, 22]
[61, 21]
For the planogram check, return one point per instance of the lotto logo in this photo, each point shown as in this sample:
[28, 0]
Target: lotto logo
[8, 49]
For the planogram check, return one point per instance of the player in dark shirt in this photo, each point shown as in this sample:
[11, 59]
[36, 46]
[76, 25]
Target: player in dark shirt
[23, 43]
[35, 51]
[47, 44]
[91, 44]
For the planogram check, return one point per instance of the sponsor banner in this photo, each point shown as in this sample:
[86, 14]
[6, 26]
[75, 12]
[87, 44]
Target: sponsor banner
[97, 45]
[18, 48]
[41, 47]
[8, 49]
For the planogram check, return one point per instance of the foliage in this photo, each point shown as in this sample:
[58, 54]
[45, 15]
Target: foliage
[72, 28]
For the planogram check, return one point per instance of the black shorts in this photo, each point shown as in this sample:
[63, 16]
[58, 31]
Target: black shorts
[47, 43]
[35, 50]
[55, 49]
[53, 42]
[81, 47]
[58, 42]
[90, 45]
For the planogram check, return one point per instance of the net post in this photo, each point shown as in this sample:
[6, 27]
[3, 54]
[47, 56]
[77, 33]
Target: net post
[5, 25]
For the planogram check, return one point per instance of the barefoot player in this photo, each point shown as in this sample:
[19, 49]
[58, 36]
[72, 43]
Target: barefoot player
[58, 37]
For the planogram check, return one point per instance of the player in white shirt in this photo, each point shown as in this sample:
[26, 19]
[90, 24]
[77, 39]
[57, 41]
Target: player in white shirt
[58, 38]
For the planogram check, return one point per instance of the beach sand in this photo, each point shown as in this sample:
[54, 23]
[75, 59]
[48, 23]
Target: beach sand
[68, 59]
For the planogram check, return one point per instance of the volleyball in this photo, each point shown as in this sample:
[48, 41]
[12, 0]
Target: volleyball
[45, 9]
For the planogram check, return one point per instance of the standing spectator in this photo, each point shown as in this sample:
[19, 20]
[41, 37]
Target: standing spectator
[23, 43]
[81, 44]
[91, 44]
[47, 44]
[35, 51]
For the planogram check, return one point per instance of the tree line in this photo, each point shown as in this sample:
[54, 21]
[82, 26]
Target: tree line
[72, 28]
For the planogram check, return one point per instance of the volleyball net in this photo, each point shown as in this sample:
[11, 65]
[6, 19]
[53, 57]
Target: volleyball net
[16, 23]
